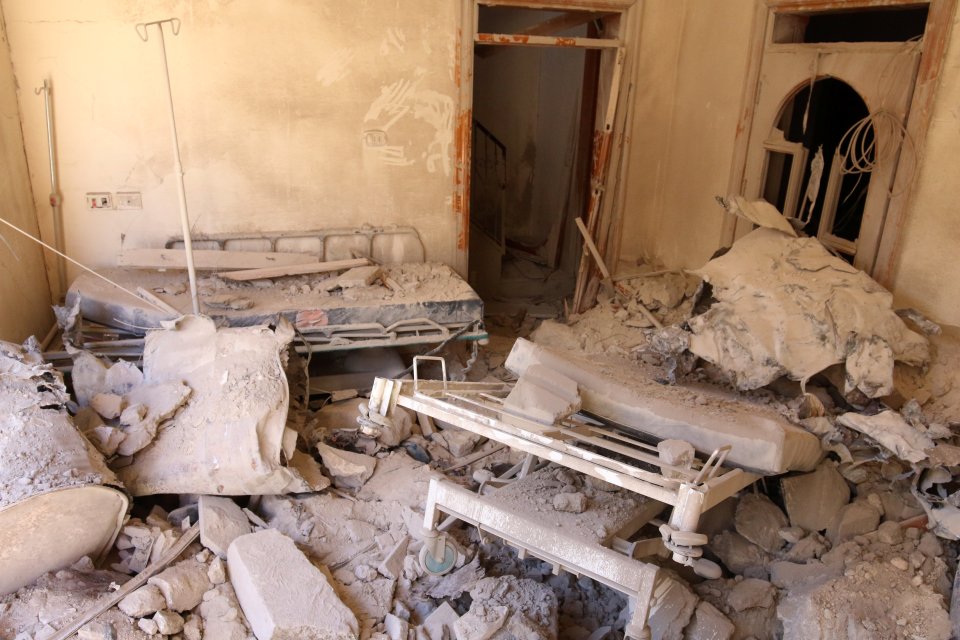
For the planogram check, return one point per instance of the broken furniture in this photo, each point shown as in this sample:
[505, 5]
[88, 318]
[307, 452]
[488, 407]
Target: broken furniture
[57, 504]
[602, 452]
[425, 304]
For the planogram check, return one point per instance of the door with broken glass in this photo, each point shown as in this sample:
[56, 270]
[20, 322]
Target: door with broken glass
[827, 137]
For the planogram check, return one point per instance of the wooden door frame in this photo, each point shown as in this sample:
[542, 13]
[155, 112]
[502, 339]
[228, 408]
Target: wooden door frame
[463, 75]
[935, 39]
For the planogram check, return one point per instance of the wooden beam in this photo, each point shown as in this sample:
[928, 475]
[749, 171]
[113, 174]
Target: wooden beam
[561, 23]
[563, 5]
[130, 585]
[551, 27]
[295, 270]
[546, 41]
[208, 260]
[593, 249]
[936, 37]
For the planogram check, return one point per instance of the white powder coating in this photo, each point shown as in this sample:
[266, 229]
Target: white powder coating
[813, 499]
[761, 439]
[347, 468]
[788, 307]
[227, 438]
[284, 596]
[221, 521]
[183, 584]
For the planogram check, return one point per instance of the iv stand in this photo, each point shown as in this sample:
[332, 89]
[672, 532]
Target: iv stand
[143, 32]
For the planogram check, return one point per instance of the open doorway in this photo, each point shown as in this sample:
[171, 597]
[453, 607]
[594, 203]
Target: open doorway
[532, 143]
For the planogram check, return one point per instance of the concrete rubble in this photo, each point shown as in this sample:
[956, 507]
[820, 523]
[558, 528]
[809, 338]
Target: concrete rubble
[309, 522]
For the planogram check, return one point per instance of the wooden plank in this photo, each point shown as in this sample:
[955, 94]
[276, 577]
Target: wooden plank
[520, 39]
[598, 176]
[556, 5]
[593, 249]
[551, 27]
[208, 260]
[130, 585]
[295, 270]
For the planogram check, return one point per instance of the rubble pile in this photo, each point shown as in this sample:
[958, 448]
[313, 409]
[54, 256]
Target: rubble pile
[252, 520]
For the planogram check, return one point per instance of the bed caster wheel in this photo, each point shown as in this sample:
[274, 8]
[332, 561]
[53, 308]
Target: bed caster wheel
[443, 566]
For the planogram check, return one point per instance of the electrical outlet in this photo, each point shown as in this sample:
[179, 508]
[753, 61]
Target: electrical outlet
[375, 138]
[129, 200]
[99, 200]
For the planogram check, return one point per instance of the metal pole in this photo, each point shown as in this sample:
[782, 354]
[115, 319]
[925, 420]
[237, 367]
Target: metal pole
[55, 199]
[177, 164]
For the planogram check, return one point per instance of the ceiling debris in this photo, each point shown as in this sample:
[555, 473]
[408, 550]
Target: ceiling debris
[759, 448]
[786, 307]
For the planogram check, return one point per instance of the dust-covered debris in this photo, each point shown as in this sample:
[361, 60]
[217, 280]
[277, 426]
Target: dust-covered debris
[52, 480]
[227, 438]
[282, 594]
[786, 306]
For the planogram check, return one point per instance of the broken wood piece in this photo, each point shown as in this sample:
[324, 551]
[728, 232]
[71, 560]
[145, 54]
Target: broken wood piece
[130, 585]
[358, 276]
[208, 259]
[295, 270]
[393, 285]
[146, 295]
[478, 455]
[593, 248]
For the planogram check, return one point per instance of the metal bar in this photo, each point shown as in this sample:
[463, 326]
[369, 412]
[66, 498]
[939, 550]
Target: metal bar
[55, 199]
[593, 465]
[544, 431]
[604, 565]
[177, 164]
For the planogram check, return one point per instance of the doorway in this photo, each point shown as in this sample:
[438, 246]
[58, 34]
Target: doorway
[533, 122]
[833, 133]
[554, 76]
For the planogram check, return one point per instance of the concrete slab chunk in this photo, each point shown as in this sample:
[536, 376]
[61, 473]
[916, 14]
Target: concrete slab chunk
[348, 469]
[543, 395]
[282, 594]
[759, 521]
[168, 622]
[143, 602]
[358, 277]
[221, 521]
[183, 584]
[856, 518]
[814, 499]
[708, 623]
[392, 565]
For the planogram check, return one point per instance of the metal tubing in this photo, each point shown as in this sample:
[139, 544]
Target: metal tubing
[55, 199]
[177, 164]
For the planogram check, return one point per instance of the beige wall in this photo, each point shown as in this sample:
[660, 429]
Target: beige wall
[926, 275]
[692, 68]
[272, 99]
[24, 294]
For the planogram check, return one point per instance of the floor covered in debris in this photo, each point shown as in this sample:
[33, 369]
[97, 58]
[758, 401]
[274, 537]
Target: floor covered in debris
[238, 502]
